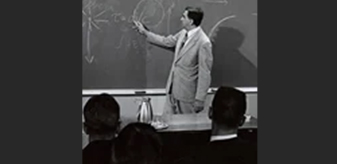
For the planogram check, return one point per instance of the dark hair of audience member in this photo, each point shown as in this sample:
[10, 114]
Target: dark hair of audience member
[137, 143]
[229, 107]
[101, 116]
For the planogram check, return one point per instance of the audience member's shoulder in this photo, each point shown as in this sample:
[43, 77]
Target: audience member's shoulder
[238, 144]
[247, 151]
[100, 144]
[232, 151]
[245, 143]
[97, 152]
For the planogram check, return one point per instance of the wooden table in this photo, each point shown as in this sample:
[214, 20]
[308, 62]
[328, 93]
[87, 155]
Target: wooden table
[190, 122]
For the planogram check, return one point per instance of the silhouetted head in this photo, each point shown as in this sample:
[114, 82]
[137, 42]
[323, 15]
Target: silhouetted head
[101, 117]
[137, 143]
[192, 17]
[228, 107]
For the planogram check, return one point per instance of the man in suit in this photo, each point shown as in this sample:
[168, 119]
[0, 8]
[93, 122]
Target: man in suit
[190, 74]
[227, 114]
[101, 114]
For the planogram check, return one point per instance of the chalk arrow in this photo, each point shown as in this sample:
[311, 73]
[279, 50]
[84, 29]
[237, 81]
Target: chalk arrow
[89, 59]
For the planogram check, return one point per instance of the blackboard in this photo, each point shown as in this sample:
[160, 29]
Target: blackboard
[114, 56]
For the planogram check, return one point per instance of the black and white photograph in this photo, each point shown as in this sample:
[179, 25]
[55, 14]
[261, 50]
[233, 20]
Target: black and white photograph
[169, 81]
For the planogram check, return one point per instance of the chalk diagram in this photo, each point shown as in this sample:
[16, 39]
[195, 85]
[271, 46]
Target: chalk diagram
[225, 2]
[169, 13]
[95, 16]
[91, 21]
[149, 12]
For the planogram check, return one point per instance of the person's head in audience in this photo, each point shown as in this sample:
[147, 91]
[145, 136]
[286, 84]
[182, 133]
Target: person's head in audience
[228, 110]
[137, 143]
[101, 117]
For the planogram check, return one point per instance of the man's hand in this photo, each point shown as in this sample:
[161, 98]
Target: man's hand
[198, 105]
[140, 27]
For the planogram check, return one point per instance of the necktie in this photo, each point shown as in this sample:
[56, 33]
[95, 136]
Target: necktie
[183, 41]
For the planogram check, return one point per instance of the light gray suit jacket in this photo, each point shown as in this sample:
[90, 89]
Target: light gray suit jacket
[190, 74]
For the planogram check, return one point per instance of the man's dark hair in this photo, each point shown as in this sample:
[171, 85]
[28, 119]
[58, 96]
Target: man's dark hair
[229, 106]
[137, 143]
[196, 14]
[101, 115]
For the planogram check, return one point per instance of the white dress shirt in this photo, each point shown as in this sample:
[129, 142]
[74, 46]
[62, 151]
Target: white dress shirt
[191, 33]
[223, 137]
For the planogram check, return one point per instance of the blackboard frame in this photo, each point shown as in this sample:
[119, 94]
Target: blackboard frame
[147, 92]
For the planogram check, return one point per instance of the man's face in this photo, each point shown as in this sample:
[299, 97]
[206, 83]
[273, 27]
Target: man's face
[185, 21]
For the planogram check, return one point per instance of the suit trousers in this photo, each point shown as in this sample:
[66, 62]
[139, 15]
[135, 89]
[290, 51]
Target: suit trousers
[175, 106]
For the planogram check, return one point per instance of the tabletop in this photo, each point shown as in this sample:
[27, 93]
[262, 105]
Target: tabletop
[190, 122]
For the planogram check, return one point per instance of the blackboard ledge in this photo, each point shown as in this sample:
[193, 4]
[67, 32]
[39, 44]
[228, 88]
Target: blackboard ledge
[154, 91]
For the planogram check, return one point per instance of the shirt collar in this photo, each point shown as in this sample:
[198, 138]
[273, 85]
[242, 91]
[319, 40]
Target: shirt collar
[223, 137]
[192, 32]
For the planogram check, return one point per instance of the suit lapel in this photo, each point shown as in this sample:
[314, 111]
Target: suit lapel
[187, 46]
[181, 38]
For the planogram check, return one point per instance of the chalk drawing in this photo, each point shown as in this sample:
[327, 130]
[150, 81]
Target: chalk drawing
[100, 13]
[135, 44]
[131, 18]
[212, 32]
[128, 44]
[91, 20]
[225, 2]
[147, 9]
[96, 15]
[123, 18]
[120, 43]
[88, 57]
[169, 12]
[101, 20]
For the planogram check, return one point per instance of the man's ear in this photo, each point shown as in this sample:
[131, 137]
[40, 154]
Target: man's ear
[85, 128]
[191, 22]
[242, 121]
[210, 113]
[118, 128]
